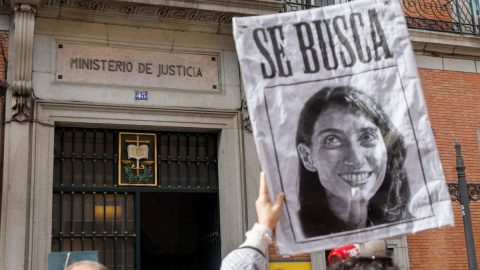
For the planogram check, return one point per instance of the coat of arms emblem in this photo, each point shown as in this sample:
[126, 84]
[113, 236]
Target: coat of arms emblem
[138, 162]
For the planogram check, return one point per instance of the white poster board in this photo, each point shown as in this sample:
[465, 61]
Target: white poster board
[341, 125]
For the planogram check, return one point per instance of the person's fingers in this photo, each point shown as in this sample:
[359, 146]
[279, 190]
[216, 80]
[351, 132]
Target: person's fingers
[279, 199]
[263, 193]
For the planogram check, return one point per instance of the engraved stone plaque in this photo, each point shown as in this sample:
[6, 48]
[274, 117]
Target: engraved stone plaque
[103, 65]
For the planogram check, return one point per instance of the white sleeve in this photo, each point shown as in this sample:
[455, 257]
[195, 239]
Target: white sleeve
[251, 255]
[260, 236]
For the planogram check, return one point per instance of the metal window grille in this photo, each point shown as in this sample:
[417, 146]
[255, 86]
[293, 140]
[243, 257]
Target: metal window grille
[187, 160]
[295, 5]
[90, 212]
[453, 16]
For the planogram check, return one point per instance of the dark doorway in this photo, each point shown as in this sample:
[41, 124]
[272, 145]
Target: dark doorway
[179, 231]
[171, 225]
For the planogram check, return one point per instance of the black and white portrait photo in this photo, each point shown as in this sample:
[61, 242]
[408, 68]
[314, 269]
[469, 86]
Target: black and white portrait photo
[351, 166]
[346, 155]
[341, 125]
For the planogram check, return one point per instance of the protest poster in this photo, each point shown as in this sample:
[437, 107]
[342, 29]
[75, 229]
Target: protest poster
[341, 125]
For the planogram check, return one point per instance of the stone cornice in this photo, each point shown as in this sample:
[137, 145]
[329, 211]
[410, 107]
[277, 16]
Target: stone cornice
[203, 16]
[61, 9]
[246, 7]
[445, 44]
[218, 11]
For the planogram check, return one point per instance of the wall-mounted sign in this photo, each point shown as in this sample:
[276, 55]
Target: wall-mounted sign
[92, 64]
[138, 159]
[141, 95]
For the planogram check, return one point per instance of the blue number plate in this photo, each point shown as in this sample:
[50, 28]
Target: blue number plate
[141, 95]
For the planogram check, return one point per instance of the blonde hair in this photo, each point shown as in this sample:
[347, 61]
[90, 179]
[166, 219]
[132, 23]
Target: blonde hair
[93, 265]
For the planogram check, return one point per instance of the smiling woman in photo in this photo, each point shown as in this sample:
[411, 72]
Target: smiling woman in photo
[351, 165]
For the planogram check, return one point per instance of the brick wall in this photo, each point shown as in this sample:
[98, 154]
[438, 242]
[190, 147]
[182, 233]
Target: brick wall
[4, 43]
[453, 102]
[2, 128]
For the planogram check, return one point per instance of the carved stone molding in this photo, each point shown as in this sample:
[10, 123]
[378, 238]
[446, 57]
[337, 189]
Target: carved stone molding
[21, 86]
[247, 125]
[146, 15]
[119, 9]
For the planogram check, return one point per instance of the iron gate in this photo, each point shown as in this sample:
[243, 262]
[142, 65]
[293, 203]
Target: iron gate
[91, 212]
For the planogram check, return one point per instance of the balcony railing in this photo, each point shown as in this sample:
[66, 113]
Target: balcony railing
[453, 16]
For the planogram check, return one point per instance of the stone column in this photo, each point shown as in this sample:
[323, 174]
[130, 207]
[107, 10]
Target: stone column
[16, 222]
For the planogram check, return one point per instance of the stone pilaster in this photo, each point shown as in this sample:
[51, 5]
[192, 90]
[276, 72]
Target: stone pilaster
[21, 86]
[17, 221]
